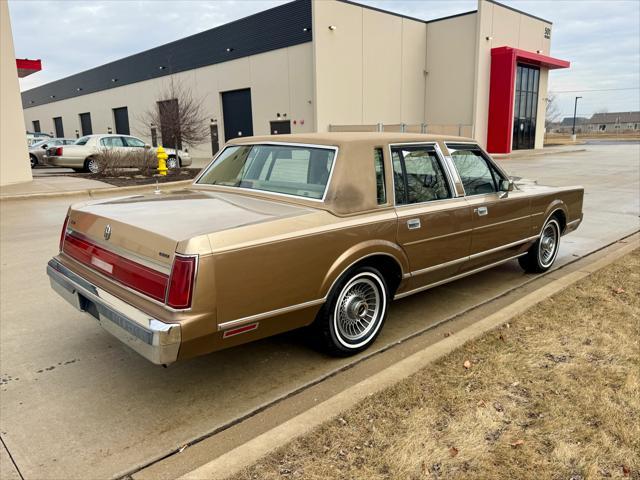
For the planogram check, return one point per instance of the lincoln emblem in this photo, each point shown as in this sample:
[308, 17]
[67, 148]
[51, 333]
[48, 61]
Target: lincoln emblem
[107, 232]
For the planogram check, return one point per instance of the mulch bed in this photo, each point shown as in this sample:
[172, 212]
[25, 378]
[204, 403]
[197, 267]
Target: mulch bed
[134, 178]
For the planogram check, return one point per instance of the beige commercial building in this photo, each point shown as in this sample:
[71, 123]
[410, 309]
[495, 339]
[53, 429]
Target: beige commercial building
[319, 65]
[14, 164]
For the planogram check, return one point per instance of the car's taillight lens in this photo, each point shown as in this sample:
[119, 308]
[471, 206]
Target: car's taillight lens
[59, 152]
[181, 282]
[63, 233]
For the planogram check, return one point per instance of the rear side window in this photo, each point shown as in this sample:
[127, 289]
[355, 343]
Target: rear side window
[378, 163]
[477, 175]
[111, 142]
[418, 175]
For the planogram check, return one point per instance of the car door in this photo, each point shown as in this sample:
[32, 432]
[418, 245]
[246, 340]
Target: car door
[501, 220]
[434, 220]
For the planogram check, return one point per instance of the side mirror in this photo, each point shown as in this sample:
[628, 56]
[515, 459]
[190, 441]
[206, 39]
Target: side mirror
[506, 186]
[147, 146]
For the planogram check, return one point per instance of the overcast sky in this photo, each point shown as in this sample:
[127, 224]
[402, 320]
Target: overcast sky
[601, 38]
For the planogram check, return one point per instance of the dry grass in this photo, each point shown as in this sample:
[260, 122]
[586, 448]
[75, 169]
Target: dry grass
[555, 395]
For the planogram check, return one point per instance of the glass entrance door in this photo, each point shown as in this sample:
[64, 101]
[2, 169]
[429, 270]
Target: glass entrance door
[526, 106]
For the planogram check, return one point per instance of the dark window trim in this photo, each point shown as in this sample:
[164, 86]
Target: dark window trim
[384, 176]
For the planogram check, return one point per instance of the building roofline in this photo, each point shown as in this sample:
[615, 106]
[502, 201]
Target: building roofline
[519, 11]
[448, 17]
[33, 97]
[401, 15]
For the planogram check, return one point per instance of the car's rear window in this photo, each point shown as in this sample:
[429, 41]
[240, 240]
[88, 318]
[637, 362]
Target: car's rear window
[301, 171]
[82, 141]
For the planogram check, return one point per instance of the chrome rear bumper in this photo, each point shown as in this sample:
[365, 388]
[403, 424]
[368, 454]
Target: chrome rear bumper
[157, 341]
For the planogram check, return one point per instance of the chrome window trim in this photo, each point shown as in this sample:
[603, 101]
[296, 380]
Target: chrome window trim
[439, 155]
[486, 156]
[335, 149]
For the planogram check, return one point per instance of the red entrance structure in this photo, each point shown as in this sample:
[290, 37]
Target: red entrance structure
[504, 61]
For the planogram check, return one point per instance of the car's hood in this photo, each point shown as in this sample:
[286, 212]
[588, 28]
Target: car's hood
[184, 214]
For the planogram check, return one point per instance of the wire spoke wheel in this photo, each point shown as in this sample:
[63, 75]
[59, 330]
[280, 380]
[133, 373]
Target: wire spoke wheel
[359, 309]
[548, 244]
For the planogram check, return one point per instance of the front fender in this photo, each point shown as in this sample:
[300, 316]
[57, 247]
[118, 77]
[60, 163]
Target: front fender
[359, 252]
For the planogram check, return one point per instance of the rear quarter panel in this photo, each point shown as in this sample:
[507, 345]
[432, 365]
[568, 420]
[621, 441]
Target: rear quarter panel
[547, 201]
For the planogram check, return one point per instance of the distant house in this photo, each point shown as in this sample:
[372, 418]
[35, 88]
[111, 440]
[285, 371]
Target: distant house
[614, 122]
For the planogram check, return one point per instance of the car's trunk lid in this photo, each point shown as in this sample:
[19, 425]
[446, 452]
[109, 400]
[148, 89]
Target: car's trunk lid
[152, 226]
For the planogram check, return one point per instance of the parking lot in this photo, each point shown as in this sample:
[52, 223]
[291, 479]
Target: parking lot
[75, 403]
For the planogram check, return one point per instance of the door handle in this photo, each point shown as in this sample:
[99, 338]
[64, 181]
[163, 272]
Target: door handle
[413, 224]
[481, 211]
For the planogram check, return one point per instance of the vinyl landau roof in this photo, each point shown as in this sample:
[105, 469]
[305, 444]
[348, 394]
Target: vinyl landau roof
[279, 27]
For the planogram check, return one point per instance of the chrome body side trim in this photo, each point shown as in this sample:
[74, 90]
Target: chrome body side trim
[425, 240]
[470, 257]
[271, 313]
[456, 277]
[503, 247]
[157, 341]
[335, 149]
[311, 303]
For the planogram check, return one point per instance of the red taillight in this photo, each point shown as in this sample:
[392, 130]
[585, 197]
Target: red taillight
[181, 282]
[59, 152]
[133, 275]
[64, 231]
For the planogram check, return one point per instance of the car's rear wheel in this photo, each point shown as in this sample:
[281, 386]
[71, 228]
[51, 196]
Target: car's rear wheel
[354, 312]
[92, 165]
[173, 163]
[33, 160]
[543, 253]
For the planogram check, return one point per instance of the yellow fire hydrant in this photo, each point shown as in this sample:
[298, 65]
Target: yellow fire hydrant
[162, 161]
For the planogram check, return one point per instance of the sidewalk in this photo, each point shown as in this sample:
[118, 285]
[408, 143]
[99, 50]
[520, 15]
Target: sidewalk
[51, 185]
[539, 151]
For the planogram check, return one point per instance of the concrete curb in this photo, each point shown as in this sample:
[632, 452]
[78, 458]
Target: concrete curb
[92, 191]
[509, 156]
[250, 452]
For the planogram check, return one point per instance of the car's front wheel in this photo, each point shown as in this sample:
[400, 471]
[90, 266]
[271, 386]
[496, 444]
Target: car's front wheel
[543, 253]
[33, 160]
[354, 313]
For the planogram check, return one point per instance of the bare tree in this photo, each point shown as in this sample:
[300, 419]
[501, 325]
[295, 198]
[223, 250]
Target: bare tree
[552, 113]
[178, 115]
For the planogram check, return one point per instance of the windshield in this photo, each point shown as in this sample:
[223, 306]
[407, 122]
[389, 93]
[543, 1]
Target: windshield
[82, 140]
[293, 170]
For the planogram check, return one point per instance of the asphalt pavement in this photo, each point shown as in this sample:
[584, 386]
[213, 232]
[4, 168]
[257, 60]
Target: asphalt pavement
[75, 403]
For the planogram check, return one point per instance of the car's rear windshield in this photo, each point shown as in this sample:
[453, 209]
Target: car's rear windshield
[82, 141]
[301, 171]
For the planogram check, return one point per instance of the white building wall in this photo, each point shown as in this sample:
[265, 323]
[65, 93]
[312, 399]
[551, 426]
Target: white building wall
[280, 82]
[499, 26]
[451, 50]
[14, 164]
[369, 69]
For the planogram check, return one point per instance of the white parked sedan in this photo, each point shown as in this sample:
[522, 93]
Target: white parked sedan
[83, 155]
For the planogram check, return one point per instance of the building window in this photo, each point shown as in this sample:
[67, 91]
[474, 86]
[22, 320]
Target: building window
[85, 124]
[121, 120]
[378, 162]
[57, 125]
[36, 126]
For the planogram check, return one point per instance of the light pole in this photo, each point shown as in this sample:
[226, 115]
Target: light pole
[575, 110]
